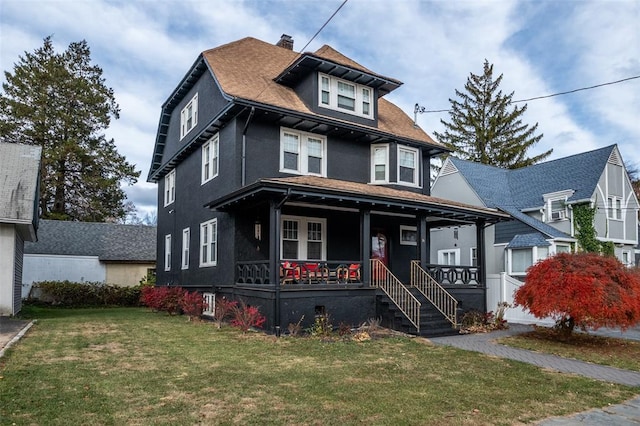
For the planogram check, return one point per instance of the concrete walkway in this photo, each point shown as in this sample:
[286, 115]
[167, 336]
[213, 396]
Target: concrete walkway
[622, 414]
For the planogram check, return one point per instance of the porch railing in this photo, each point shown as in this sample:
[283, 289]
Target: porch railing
[399, 294]
[252, 272]
[301, 272]
[454, 274]
[434, 292]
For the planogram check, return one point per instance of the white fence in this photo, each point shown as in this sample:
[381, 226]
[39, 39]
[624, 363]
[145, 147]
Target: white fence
[500, 288]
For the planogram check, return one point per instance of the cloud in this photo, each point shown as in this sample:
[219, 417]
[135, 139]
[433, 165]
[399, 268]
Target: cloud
[145, 48]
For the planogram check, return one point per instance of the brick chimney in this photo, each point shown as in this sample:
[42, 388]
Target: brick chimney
[285, 41]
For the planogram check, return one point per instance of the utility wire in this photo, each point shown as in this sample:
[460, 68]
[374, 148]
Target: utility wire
[577, 90]
[324, 25]
[422, 110]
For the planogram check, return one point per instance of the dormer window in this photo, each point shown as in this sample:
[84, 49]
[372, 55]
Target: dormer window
[557, 209]
[189, 117]
[345, 96]
[555, 205]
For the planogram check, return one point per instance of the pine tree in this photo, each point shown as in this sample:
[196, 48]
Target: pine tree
[484, 129]
[60, 102]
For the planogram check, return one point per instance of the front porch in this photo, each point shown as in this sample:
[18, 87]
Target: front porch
[307, 246]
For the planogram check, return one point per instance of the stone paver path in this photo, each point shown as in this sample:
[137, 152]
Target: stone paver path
[622, 414]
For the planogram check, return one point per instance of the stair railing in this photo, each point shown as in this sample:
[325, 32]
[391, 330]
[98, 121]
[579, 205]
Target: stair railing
[383, 278]
[434, 292]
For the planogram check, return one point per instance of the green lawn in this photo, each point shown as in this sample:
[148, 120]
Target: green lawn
[132, 366]
[619, 353]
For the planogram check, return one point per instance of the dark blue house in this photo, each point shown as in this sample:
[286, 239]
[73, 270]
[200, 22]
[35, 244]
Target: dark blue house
[287, 180]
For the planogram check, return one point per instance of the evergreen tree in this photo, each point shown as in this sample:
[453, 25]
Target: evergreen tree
[60, 102]
[484, 129]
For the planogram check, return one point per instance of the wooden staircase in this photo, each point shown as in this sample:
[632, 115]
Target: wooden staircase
[431, 324]
[425, 308]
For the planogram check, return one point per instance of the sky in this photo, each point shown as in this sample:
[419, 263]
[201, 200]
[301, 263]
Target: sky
[543, 47]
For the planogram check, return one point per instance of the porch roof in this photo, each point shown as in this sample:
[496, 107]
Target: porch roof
[332, 192]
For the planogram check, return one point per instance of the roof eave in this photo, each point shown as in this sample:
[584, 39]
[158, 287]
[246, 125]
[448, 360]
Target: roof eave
[309, 62]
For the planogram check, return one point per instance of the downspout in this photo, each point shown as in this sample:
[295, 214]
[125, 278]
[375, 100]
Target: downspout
[244, 147]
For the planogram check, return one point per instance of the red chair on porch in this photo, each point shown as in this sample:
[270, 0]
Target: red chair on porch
[314, 272]
[289, 273]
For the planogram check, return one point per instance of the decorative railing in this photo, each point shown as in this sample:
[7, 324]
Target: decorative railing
[301, 272]
[434, 292]
[454, 274]
[252, 272]
[399, 294]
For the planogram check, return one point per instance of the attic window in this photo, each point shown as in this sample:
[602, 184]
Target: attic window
[189, 116]
[344, 96]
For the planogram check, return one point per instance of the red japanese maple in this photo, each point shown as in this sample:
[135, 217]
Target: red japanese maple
[583, 289]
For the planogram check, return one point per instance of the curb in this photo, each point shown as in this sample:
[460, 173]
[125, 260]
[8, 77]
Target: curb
[16, 338]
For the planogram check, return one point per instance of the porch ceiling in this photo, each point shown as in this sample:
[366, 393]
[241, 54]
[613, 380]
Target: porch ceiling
[320, 191]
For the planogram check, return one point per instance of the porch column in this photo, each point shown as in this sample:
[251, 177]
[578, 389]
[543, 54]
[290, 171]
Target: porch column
[365, 245]
[424, 241]
[274, 259]
[481, 257]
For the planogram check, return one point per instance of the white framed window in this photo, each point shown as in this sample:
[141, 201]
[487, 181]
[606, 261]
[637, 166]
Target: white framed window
[626, 258]
[170, 187]
[449, 257]
[209, 243]
[380, 163]
[167, 252]
[210, 159]
[345, 96]
[302, 153]
[303, 238]
[408, 235]
[614, 208]
[408, 165]
[557, 209]
[186, 236]
[520, 259]
[473, 256]
[563, 248]
[189, 116]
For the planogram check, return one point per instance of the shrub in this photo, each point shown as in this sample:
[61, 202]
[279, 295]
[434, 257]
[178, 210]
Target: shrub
[244, 317]
[166, 299]
[73, 294]
[582, 289]
[295, 328]
[223, 309]
[321, 326]
[192, 304]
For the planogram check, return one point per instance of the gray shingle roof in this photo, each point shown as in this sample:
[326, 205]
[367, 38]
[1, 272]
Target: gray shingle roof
[528, 240]
[523, 188]
[514, 191]
[19, 171]
[108, 241]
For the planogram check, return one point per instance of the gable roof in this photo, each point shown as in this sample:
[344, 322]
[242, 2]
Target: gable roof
[109, 241]
[253, 73]
[19, 183]
[523, 188]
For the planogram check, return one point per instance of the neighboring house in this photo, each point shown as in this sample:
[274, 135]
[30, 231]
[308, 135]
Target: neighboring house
[282, 174]
[637, 250]
[540, 199]
[19, 196]
[90, 252]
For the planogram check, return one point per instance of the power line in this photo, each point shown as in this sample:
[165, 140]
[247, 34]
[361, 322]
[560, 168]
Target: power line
[324, 25]
[577, 90]
[423, 110]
